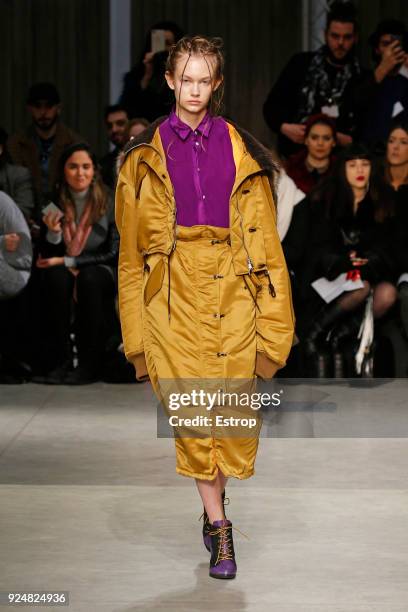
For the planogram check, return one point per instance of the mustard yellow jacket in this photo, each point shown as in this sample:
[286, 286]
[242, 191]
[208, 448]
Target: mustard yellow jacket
[145, 213]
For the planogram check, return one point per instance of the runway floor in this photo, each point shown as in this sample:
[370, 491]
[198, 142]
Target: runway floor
[91, 504]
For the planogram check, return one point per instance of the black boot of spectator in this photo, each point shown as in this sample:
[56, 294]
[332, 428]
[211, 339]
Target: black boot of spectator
[56, 376]
[82, 375]
[322, 325]
[88, 370]
[345, 330]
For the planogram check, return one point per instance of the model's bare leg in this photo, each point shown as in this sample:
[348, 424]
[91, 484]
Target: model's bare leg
[222, 480]
[210, 491]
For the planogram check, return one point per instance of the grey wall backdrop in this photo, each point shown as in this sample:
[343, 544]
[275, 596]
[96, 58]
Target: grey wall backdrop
[63, 41]
[67, 41]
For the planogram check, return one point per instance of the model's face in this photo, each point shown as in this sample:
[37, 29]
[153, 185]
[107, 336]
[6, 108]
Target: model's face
[44, 114]
[79, 171]
[193, 83]
[358, 173]
[116, 125]
[320, 141]
[340, 38]
[397, 148]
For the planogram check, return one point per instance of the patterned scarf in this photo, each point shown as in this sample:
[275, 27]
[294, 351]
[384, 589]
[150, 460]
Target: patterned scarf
[75, 235]
[317, 83]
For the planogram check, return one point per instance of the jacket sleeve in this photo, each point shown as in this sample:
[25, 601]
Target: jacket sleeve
[130, 269]
[22, 188]
[275, 319]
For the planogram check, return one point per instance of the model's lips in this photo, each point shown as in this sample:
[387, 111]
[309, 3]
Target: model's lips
[360, 178]
[194, 102]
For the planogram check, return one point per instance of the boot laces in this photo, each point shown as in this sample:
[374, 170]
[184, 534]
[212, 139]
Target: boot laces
[225, 541]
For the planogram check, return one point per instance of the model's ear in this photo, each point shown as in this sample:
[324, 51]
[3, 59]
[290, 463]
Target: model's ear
[170, 79]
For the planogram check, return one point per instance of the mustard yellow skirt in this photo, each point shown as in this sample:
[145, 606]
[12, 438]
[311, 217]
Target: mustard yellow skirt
[209, 336]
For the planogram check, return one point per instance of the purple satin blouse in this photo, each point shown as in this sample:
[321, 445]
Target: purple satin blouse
[201, 167]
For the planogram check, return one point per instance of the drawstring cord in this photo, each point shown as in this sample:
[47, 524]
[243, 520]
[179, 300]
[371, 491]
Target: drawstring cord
[252, 295]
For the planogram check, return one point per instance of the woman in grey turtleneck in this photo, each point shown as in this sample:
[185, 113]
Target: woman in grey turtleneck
[78, 259]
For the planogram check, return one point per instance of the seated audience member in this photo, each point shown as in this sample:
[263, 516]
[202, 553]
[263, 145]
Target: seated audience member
[293, 228]
[292, 220]
[15, 267]
[321, 81]
[116, 120]
[39, 147]
[134, 127]
[349, 243]
[383, 93]
[392, 184]
[145, 92]
[314, 161]
[15, 180]
[79, 259]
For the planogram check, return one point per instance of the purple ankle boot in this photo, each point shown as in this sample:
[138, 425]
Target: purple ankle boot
[207, 524]
[222, 563]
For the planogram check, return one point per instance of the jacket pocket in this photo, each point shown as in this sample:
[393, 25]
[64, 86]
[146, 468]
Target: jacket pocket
[154, 282]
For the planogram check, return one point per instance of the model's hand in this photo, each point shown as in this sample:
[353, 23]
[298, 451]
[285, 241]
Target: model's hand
[294, 131]
[50, 262]
[343, 139]
[392, 57]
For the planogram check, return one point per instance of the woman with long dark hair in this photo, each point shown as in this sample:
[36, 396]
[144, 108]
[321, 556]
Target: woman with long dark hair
[392, 186]
[204, 292]
[315, 160]
[349, 246]
[79, 256]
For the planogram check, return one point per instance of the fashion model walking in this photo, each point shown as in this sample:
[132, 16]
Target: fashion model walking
[204, 291]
